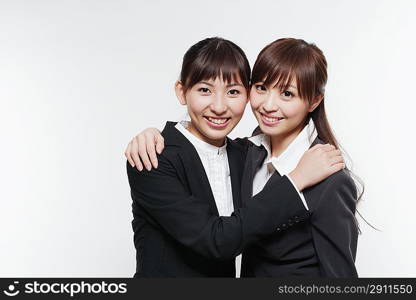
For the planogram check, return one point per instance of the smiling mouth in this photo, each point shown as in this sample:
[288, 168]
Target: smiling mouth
[217, 122]
[271, 119]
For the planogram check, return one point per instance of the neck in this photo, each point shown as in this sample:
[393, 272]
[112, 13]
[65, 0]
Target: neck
[279, 143]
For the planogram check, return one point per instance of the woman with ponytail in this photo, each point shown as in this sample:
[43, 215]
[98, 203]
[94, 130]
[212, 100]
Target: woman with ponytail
[288, 100]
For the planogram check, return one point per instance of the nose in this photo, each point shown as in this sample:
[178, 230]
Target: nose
[270, 104]
[219, 105]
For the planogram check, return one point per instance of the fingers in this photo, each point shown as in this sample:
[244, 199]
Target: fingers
[334, 153]
[143, 152]
[334, 157]
[151, 149]
[327, 148]
[336, 167]
[128, 156]
[314, 147]
[336, 160]
[160, 144]
[322, 148]
[134, 152]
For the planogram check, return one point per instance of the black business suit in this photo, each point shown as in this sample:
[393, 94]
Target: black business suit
[177, 229]
[323, 246]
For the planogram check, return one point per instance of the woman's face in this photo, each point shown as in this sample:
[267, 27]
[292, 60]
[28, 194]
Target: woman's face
[215, 108]
[279, 112]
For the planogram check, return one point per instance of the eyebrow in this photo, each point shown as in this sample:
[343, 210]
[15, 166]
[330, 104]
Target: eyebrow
[228, 85]
[234, 84]
[292, 86]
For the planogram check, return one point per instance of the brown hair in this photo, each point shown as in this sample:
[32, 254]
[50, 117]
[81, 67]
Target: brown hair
[289, 58]
[214, 57]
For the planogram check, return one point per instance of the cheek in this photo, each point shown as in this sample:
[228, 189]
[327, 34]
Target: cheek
[237, 106]
[255, 101]
[196, 104]
[294, 110]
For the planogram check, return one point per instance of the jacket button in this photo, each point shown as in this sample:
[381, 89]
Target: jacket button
[284, 225]
[290, 222]
[296, 219]
[278, 229]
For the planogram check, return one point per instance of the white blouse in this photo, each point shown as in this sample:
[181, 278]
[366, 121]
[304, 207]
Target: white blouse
[215, 162]
[285, 162]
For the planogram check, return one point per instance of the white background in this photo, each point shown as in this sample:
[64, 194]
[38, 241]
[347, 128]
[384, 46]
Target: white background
[79, 78]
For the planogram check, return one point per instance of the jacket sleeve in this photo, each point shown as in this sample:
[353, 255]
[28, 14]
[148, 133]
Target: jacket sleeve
[334, 227]
[189, 220]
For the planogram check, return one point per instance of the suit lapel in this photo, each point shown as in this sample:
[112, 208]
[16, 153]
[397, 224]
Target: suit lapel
[255, 158]
[236, 163]
[196, 175]
[195, 172]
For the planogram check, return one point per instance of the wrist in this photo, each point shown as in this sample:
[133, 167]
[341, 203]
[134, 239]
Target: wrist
[297, 180]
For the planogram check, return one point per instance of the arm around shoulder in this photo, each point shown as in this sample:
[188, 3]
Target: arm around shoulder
[189, 220]
[186, 218]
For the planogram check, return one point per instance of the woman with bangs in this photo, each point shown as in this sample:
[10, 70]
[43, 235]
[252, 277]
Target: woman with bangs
[287, 99]
[198, 209]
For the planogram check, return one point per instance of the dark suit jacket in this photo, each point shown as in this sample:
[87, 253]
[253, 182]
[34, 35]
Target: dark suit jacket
[177, 229]
[324, 245]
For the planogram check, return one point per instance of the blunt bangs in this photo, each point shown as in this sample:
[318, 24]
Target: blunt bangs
[287, 59]
[217, 58]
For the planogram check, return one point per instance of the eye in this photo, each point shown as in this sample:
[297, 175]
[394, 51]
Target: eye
[260, 87]
[204, 90]
[287, 94]
[234, 92]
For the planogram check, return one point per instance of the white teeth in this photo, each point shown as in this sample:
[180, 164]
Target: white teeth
[217, 121]
[270, 119]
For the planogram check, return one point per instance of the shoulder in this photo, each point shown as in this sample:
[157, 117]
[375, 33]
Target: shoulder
[337, 191]
[341, 178]
[167, 164]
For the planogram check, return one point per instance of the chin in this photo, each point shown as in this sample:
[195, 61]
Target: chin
[219, 133]
[270, 130]
[216, 136]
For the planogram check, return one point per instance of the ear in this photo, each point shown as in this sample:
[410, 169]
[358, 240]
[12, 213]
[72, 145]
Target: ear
[316, 102]
[179, 92]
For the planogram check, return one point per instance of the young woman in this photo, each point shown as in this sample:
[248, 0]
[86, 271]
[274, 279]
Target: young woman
[287, 99]
[188, 216]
